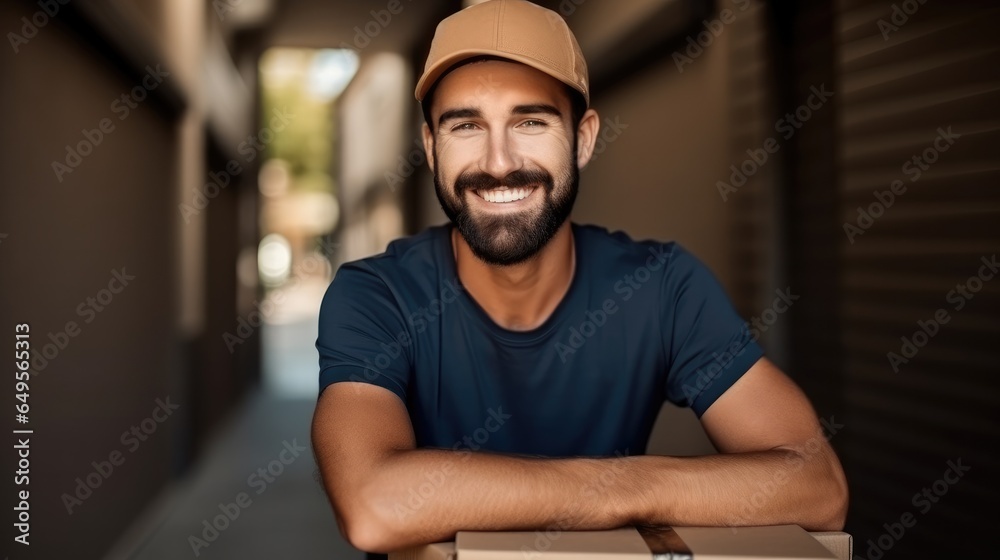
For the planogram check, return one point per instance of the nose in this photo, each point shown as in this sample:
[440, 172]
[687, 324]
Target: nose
[501, 157]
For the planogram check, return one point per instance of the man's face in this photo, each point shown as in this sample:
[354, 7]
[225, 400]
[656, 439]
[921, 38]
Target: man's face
[505, 168]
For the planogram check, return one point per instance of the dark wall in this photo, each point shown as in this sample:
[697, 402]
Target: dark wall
[120, 399]
[113, 215]
[889, 221]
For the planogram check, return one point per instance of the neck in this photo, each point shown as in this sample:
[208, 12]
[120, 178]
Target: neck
[522, 296]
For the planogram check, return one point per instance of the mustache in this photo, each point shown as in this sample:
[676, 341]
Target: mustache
[514, 180]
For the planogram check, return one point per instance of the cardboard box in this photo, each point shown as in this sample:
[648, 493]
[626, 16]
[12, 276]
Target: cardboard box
[759, 543]
[437, 551]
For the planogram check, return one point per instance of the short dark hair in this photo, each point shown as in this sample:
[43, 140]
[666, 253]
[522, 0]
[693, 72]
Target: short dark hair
[578, 104]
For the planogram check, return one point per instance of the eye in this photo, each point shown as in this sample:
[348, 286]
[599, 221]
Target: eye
[534, 123]
[463, 126]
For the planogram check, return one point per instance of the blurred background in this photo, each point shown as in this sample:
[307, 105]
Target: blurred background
[181, 179]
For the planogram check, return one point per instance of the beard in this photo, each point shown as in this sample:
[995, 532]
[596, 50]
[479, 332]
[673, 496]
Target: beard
[508, 239]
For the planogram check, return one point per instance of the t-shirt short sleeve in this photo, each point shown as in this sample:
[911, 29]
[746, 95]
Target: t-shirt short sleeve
[362, 334]
[708, 346]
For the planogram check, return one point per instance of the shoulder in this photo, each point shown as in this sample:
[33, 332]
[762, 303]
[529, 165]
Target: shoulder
[409, 268]
[669, 262]
[407, 256]
[406, 252]
[617, 249]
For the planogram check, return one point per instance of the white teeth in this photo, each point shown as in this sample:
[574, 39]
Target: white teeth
[504, 195]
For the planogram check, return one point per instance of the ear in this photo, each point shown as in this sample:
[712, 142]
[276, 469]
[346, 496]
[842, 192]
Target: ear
[590, 125]
[428, 137]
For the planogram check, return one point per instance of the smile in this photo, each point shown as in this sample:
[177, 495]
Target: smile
[504, 195]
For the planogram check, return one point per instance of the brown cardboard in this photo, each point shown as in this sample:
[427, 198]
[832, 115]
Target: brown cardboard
[614, 544]
[840, 544]
[436, 551]
[789, 542]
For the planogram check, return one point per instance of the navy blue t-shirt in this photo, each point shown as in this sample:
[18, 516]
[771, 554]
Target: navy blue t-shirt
[642, 322]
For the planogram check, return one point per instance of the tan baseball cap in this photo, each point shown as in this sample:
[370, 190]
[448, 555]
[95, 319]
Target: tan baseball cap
[511, 29]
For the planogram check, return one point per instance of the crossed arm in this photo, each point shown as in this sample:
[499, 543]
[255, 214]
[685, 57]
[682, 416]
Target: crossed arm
[775, 467]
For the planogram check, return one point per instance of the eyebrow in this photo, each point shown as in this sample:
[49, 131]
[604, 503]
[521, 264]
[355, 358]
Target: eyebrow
[471, 113]
[465, 113]
[537, 109]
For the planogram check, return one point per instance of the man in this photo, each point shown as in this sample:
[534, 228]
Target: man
[504, 372]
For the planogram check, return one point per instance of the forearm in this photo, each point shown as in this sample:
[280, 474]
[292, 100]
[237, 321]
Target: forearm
[760, 488]
[426, 495]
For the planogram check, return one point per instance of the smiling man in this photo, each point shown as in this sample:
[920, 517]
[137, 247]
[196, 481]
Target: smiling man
[504, 371]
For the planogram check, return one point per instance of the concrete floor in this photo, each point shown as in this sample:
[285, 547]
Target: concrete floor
[284, 514]
[283, 511]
